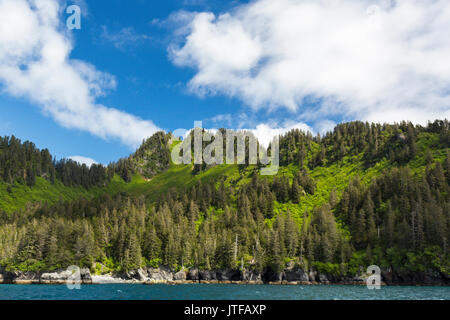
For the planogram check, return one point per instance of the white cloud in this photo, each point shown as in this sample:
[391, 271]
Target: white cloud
[325, 125]
[35, 63]
[83, 160]
[125, 37]
[265, 132]
[222, 119]
[373, 60]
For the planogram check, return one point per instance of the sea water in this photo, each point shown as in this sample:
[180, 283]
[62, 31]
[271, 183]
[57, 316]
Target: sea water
[220, 291]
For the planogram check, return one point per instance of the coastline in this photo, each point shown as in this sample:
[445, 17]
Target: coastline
[162, 275]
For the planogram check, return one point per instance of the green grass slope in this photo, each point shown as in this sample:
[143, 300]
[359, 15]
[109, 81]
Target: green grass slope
[335, 176]
[17, 196]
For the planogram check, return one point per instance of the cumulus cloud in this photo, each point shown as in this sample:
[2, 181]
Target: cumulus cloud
[325, 126]
[35, 63]
[373, 60]
[83, 160]
[265, 132]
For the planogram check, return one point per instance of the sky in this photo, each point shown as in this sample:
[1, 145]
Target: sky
[135, 67]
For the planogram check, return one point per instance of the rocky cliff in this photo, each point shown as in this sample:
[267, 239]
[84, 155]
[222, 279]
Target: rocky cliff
[165, 275]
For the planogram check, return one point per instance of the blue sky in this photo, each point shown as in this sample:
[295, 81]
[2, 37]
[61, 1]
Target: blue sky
[231, 64]
[149, 85]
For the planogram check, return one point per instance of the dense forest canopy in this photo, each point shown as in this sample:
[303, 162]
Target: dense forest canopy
[393, 208]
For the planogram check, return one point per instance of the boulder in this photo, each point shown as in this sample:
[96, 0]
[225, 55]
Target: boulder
[160, 274]
[229, 275]
[106, 278]
[61, 275]
[323, 278]
[154, 274]
[251, 275]
[166, 273]
[86, 275]
[56, 277]
[295, 275]
[193, 274]
[180, 276]
[278, 277]
[19, 277]
[207, 275]
[137, 275]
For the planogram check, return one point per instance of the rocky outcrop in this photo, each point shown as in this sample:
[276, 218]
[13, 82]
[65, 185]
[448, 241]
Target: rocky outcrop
[207, 275]
[160, 274]
[252, 276]
[229, 275]
[312, 276]
[20, 277]
[193, 274]
[323, 279]
[291, 275]
[429, 277]
[296, 274]
[54, 277]
[179, 276]
[86, 276]
[138, 275]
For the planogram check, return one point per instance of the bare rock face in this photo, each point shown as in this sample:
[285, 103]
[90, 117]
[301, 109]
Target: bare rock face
[278, 277]
[21, 277]
[61, 276]
[312, 276]
[193, 274]
[229, 275]
[166, 273]
[142, 274]
[251, 275]
[180, 276]
[138, 275]
[57, 277]
[295, 274]
[208, 275]
[323, 278]
[154, 274]
[160, 274]
[86, 275]
[54, 276]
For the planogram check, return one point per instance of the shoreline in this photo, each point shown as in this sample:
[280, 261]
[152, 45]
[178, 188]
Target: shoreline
[214, 282]
[175, 283]
[163, 275]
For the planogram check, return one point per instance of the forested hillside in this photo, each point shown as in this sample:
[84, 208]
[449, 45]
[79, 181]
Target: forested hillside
[29, 175]
[360, 195]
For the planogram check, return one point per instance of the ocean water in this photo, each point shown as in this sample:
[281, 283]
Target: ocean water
[219, 291]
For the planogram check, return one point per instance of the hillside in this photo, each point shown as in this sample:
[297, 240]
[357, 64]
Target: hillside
[362, 194]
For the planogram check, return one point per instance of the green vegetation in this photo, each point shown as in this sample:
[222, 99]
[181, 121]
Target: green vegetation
[362, 194]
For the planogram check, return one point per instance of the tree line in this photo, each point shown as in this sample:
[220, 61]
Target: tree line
[400, 220]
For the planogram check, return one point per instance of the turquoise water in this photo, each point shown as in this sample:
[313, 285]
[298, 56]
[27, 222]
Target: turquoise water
[219, 291]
